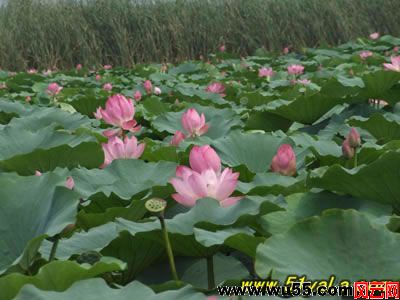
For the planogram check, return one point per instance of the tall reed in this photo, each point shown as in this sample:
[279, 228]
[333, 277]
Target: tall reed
[46, 33]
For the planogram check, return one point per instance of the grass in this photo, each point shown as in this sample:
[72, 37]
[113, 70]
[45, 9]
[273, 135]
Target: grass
[62, 33]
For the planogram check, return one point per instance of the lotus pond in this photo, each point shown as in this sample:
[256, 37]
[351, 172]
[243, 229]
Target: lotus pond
[165, 181]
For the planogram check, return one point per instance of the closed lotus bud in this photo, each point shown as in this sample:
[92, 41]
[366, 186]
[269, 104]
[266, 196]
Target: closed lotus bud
[347, 150]
[78, 67]
[284, 162]
[177, 138]
[68, 229]
[204, 157]
[98, 77]
[354, 138]
[28, 99]
[374, 36]
[137, 96]
[107, 87]
[157, 91]
[38, 173]
[70, 183]
[286, 50]
[222, 48]
[147, 85]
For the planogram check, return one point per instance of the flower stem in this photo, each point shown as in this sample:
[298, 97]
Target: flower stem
[169, 250]
[54, 248]
[355, 158]
[210, 272]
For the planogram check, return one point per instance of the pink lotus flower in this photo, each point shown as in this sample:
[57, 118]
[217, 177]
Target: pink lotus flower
[3, 86]
[54, 89]
[216, 88]
[295, 69]
[107, 67]
[286, 50]
[157, 91]
[78, 67]
[265, 72]
[70, 183]
[354, 138]
[193, 123]
[32, 71]
[347, 150]
[98, 77]
[118, 149]
[222, 48]
[365, 54]
[137, 96]
[177, 138]
[28, 99]
[119, 112]
[204, 179]
[396, 49]
[148, 87]
[284, 162]
[374, 36]
[395, 65]
[107, 87]
[38, 173]
[202, 158]
[48, 72]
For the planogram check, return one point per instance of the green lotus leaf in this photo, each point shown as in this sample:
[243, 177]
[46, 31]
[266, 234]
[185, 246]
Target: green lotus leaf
[340, 242]
[32, 207]
[57, 276]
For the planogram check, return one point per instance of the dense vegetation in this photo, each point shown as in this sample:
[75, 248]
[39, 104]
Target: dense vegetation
[301, 152]
[62, 33]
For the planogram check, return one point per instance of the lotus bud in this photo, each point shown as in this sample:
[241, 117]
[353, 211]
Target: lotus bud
[157, 91]
[354, 138]
[70, 183]
[137, 96]
[177, 138]
[148, 86]
[107, 87]
[284, 162]
[374, 36]
[347, 150]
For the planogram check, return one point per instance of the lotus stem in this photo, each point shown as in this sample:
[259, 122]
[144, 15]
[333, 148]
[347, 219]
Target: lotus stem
[169, 250]
[210, 272]
[355, 158]
[54, 247]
